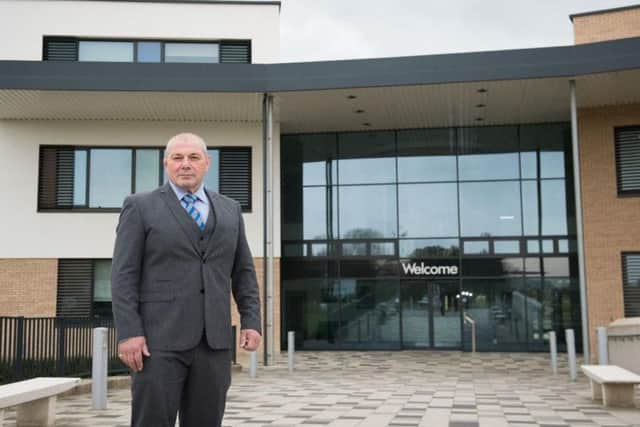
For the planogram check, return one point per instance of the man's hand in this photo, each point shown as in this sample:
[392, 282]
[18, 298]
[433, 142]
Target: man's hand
[131, 350]
[249, 339]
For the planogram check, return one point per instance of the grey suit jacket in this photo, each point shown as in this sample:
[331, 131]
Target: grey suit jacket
[166, 288]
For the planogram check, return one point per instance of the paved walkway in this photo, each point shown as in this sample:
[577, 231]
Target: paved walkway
[410, 388]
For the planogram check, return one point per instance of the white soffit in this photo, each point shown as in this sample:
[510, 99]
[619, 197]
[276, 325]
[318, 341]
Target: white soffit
[157, 106]
[444, 105]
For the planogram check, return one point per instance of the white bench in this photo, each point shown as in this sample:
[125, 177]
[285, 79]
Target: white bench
[612, 384]
[35, 399]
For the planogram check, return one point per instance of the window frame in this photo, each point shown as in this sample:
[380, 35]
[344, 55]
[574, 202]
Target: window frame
[87, 209]
[623, 255]
[622, 193]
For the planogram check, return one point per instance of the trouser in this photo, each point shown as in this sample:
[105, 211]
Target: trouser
[193, 382]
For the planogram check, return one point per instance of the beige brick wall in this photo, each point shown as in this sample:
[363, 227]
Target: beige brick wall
[243, 357]
[611, 223]
[28, 287]
[607, 26]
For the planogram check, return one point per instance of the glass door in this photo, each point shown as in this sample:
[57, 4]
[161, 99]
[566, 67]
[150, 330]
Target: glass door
[431, 316]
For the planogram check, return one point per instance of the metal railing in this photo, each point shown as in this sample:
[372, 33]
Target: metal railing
[470, 321]
[56, 346]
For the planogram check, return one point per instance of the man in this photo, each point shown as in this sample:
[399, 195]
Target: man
[180, 252]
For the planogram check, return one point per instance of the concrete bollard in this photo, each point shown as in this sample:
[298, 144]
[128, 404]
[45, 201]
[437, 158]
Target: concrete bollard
[571, 353]
[553, 348]
[291, 344]
[603, 346]
[253, 364]
[99, 368]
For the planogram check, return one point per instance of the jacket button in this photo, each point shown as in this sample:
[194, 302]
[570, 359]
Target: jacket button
[202, 291]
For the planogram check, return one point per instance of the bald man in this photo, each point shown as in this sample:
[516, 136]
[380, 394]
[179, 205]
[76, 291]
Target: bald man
[180, 253]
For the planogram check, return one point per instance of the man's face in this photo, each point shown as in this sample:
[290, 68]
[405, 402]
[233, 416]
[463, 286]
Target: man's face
[186, 164]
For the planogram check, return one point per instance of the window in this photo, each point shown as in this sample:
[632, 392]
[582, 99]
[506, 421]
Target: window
[631, 283]
[84, 288]
[72, 49]
[98, 178]
[627, 141]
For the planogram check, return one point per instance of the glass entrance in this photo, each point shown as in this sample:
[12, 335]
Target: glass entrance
[431, 316]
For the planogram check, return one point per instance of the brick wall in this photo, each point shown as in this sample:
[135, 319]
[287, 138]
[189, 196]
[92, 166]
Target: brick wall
[28, 287]
[607, 26]
[611, 223]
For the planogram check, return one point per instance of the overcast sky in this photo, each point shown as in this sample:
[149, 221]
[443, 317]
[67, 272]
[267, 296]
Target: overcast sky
[313, 30]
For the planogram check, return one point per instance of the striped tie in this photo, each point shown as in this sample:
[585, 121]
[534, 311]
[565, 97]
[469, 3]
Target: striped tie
[189, 203]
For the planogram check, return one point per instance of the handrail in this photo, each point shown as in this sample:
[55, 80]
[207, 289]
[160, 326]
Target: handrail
[472, 322]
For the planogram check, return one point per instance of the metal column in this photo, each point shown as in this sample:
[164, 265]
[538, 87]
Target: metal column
[579, 225]
[267, 168]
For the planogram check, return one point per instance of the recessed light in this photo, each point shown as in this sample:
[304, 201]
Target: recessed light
[367, 124]
[351, 97]
[480, 106]
[482, 90]
[359, 111]
[479, 119]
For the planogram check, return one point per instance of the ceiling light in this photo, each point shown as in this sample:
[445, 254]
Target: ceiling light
[480, 106]
[479, 119]
[351, 97]
[482, 90]
[367, 124]
[359, 111]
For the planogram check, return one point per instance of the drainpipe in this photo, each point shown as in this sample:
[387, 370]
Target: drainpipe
[267, 257]
[579, 225]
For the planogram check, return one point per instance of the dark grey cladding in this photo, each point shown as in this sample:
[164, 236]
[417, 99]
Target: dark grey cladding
[565, 61]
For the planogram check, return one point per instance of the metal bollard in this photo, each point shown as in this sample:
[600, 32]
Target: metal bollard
[291, 344]
[603, 350]
[571, 353]
[553, 347]
[99, 368]
[253, 364]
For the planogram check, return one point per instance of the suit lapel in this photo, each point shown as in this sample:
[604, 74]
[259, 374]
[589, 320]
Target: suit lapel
[216, 216]
[181, 216]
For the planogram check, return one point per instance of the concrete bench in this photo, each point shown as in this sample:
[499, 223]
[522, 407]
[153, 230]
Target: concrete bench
[35, 399]
[612, 384]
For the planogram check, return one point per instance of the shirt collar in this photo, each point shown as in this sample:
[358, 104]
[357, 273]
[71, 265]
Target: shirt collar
[200, 193]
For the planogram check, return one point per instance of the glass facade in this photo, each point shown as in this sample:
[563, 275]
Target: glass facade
[391, 238]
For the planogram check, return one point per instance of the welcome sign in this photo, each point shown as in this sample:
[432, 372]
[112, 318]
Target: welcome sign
[413, 268]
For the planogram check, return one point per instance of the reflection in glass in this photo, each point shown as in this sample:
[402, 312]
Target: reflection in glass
[499, 308]
[147, 170]
[556, 266]
[309, 159]
[425, 248]
[311, 307]
[488, 153]
[446, 313]
[529, 164]
[367, 211]
[191, 52]
[105, 51]
[383, 248]
[476, 247]
[149, 52]
[416, 315]
[428, 210]
[561, 307]
[354, 249]
[506, 247]
[563, 246]
[533, 246]
[554, 207]
[80, 178]
[426, 155]
[102, 280]
[490, 208]
[370, 313]
[295, 249]
[212, 178]
[314, 213]
[319, 249]
[547, 246]
[110, 177]
[552, 164]
[530, 215]
[366, 158]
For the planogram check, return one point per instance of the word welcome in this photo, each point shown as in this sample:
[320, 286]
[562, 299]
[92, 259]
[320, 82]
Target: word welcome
[414, 269]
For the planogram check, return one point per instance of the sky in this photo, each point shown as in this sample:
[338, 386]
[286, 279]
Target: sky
[317, 30]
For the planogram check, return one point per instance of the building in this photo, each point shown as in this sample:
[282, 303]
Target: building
[386, 200]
